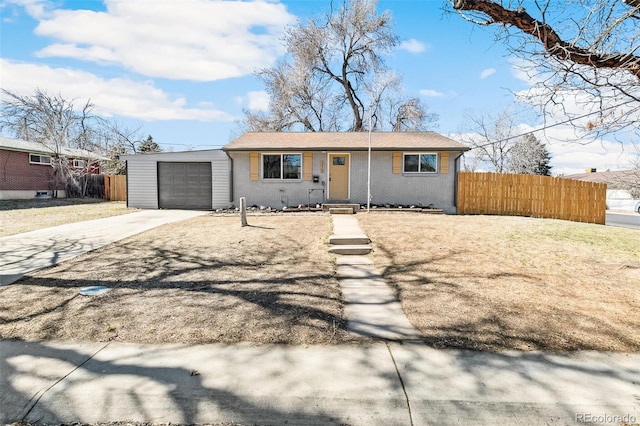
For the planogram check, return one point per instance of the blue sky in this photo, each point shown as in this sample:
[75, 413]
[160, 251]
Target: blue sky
[182, 70]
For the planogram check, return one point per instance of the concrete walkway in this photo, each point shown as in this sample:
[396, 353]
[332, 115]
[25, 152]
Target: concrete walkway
[30, 251]
[380, 384]
[371, 306]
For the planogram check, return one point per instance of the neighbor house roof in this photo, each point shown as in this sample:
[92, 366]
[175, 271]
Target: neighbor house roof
[615, 178]
[38, 148]
[345, 141]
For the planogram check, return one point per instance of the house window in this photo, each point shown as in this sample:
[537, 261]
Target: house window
[39, 159]
[78, 164]
[282, 166]
[420, 163]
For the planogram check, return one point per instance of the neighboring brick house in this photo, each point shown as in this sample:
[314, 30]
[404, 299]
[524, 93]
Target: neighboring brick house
[25, 168]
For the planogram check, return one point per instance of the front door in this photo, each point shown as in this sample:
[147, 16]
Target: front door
[339, 176]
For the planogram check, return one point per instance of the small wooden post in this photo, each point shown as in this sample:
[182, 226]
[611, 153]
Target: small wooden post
[243, 211]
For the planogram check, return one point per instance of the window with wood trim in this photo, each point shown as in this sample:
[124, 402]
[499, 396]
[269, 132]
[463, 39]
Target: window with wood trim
[39, 159]
[282, 166]
[420, 162]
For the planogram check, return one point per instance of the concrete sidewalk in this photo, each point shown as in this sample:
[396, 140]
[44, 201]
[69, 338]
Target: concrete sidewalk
[30, 251]
[380, 384]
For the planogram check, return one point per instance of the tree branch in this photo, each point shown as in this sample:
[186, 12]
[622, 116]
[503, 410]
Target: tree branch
[552, 42]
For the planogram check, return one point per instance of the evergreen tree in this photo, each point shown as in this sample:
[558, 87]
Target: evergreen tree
[149, 146]
[529, 156]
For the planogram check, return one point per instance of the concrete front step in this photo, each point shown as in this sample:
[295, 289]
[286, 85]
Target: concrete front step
[353, 206]
[355, 249]
[341, 210]
[349, 239]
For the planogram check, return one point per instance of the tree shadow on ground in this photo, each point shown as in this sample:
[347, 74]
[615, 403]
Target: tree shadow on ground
[524, 387]
[289, 292]
[451, 311]
[152, 393]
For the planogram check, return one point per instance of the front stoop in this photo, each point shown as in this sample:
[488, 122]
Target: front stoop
[341, 210]
[354, 249]
[355, 208]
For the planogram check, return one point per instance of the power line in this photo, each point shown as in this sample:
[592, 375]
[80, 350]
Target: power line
[551, 125]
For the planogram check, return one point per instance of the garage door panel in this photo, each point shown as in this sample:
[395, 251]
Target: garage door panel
[184, 185]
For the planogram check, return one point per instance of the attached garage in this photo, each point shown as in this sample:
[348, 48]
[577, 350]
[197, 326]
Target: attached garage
[194, 180]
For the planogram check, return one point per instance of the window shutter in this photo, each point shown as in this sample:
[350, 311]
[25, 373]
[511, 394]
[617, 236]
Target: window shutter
[397, 162]
[307, 165]
[255, 165]
[444, 162]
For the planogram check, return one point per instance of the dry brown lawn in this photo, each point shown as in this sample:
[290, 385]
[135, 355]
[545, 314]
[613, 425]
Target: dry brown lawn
[475, 282]
[198, 281]
[18, 216]
[496, 283]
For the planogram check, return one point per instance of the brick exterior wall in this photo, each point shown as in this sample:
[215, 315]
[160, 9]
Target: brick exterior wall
[16, 173]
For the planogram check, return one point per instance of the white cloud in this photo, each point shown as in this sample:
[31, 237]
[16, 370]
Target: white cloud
[431, 93]
[486, 73]
[413, 46]
[568, 156]
[116, 96]
[258, 101]
[198, 40]
[34, 8]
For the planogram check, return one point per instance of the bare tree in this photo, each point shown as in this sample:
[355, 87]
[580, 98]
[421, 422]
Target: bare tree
[490, 139]
[578, 52]
[529, 156]
[55, 123]
[629, 179]
[119, 139]
[329, 78]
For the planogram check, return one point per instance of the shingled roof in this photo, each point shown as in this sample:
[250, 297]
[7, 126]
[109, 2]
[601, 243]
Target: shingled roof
[9, 144]
[343, 141]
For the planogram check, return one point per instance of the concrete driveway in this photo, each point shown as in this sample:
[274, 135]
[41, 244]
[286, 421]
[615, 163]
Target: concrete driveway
[30, 251]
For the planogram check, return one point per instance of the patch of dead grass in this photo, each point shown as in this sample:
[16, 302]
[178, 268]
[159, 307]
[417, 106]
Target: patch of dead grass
[199, 281]
[17, 216]
[497, 283]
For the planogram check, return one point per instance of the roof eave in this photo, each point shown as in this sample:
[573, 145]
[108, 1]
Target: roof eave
[342, 149]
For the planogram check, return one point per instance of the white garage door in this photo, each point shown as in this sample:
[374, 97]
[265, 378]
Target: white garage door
[184, 186]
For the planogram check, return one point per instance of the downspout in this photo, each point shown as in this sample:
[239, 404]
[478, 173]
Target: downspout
[230, 177]
[456, 167]
[126, 173]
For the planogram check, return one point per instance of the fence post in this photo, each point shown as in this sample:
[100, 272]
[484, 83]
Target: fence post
[243, 211]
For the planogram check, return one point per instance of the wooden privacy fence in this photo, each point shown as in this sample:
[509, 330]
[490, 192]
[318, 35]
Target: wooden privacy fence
[115, 187]
[531, 195]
